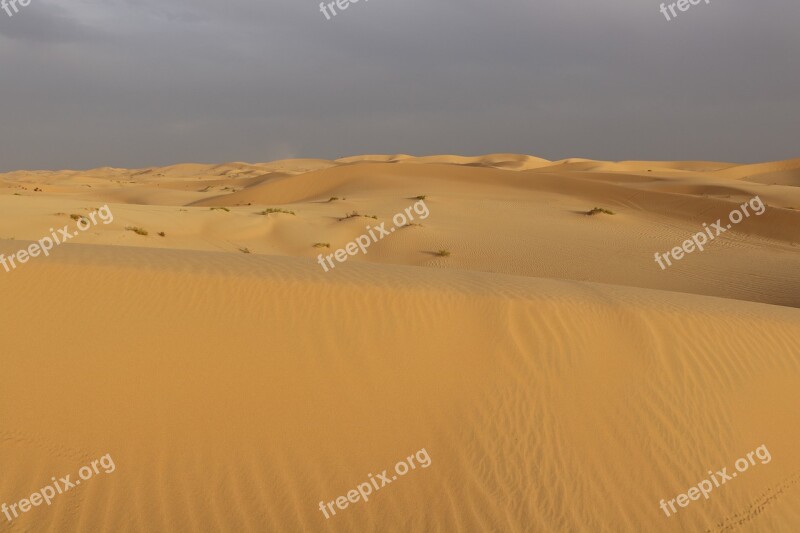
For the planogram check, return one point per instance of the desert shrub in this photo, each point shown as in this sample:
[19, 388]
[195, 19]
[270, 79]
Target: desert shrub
[272, 210]
[137, 230]
[599, 210]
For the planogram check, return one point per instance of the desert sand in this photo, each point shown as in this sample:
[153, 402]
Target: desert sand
[559, 379]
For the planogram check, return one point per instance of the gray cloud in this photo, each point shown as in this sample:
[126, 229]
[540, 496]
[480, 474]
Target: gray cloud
[126, 83]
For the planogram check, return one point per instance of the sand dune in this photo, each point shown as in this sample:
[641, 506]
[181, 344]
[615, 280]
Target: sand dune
[761, 172]
[528, 222]
[557, 377]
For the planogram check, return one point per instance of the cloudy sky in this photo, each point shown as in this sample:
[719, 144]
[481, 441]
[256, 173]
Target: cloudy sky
[126, 83]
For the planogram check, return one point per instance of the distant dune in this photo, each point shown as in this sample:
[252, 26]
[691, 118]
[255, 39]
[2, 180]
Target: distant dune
[559, 378]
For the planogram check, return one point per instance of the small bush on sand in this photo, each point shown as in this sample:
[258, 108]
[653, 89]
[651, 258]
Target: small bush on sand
[137, 230]
[355, 214]
[272, 210]
[443, 253]
[598, 210]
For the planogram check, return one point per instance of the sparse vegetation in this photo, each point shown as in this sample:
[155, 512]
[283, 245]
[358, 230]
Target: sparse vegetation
[599, 210]
[137, 230]
[420, 197]
[221, 209]
[333, 199]
[245, 250]
[272, 210]
[322, 245]
[77, 217]
[443, 253]
[356, 214]
[162, 234]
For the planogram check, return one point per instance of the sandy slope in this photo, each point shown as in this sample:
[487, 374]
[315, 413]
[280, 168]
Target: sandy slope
[553, 388]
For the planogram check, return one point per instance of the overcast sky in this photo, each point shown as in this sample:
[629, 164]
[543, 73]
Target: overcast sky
[134, 83]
